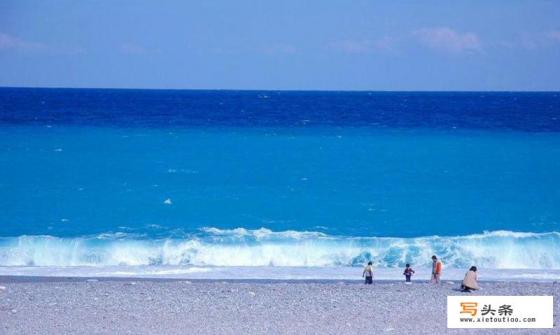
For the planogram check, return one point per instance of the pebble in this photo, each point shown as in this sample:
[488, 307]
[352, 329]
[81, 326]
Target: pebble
[164, 307]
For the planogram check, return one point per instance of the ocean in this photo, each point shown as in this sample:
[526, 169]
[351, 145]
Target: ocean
[238, 184]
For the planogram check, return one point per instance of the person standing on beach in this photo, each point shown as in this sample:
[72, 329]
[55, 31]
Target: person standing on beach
[368, 273]
[436, 269]
[408, 273]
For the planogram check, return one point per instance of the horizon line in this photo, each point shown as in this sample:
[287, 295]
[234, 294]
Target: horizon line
[275, 90]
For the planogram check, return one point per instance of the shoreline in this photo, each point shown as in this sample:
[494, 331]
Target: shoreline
[76, 279]
[272, 273]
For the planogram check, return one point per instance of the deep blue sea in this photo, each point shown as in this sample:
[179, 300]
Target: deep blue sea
[188, 178]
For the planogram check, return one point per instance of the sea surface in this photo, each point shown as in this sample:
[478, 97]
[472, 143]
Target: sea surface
[241, 183]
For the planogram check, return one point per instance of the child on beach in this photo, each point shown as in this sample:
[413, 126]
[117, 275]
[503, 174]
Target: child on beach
[368, 273]
[408, 273]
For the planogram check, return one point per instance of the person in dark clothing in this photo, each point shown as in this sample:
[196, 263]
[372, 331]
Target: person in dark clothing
[368, 273]
[408, 273]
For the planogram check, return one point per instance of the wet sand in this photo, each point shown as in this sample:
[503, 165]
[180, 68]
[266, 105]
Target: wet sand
[133, 306]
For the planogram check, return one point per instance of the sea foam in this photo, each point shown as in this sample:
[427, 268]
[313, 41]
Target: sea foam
[264, 247]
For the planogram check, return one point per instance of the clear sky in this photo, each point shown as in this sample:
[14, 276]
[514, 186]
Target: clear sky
[285, 44]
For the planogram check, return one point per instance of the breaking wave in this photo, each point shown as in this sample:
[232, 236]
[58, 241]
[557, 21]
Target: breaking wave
[263, 247]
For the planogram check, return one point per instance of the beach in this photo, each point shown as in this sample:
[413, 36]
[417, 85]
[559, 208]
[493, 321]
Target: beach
[43, 305]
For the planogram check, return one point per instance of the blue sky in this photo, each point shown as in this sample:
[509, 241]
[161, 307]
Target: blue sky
[290, 44]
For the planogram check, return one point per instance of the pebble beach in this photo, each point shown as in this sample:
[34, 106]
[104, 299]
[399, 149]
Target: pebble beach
[140, 306]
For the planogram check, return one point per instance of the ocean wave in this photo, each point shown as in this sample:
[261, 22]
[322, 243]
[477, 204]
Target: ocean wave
[263, 247]
[262, 233]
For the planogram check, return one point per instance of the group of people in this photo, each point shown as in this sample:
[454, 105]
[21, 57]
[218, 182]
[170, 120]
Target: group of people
[470, 282]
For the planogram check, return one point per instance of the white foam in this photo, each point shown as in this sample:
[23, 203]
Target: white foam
[262, 233]
[263, 247]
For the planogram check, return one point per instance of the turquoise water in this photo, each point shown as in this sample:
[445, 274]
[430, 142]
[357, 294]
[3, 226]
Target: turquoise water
[173, 196]
[107, 194]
